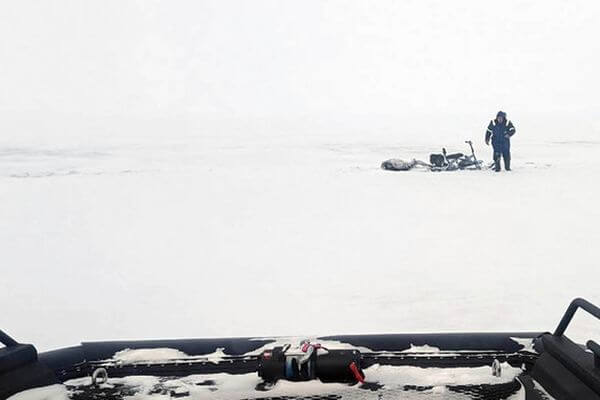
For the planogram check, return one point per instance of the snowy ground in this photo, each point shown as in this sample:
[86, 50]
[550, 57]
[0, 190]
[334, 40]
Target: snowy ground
[208, 237]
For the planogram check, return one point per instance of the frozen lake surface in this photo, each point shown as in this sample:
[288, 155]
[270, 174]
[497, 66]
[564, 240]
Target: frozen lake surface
[207, 237]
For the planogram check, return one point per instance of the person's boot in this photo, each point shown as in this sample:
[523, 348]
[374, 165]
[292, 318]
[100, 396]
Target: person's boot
[507, 163]
[497, 162]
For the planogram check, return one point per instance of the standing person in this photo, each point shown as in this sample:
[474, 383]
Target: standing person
[500, 131]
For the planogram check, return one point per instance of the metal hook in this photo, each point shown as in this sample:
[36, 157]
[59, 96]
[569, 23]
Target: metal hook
[99, 373]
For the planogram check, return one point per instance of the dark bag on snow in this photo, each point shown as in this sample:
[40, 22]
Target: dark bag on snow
[395, 164]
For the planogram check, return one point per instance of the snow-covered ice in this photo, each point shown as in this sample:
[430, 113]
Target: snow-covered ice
[265, 238]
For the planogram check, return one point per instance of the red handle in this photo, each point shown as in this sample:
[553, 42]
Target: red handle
[357, 374]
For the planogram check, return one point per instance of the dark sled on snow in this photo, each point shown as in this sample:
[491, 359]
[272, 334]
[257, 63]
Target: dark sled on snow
[485, 366]
[438, 162]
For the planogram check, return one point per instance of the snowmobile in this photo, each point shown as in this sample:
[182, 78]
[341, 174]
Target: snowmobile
[438, 162]
[453, 366]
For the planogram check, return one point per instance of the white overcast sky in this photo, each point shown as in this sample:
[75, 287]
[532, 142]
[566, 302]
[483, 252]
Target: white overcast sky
[63, 61]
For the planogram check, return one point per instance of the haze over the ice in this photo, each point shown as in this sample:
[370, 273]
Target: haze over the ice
[112, 68]
[210, 168]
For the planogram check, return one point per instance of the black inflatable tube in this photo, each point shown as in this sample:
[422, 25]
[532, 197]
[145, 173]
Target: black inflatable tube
[192, 347]
[501, 342]
[74, 362]
[59, 360]
[96, 351]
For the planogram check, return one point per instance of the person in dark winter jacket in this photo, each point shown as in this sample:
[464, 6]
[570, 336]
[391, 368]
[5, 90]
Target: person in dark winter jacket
[500, 131]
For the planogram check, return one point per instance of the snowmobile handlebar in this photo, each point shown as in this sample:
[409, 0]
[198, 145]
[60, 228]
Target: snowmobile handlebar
[470, 143]
[573, 307]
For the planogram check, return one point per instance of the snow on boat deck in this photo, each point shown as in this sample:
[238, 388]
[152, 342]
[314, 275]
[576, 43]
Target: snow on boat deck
[396, 382]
